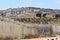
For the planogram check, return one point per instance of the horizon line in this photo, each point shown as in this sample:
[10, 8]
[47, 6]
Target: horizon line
[31, 6]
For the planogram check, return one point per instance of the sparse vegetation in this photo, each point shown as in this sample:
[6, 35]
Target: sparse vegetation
[42, 20]
[6, 38]
[31, 36]
[38, 36]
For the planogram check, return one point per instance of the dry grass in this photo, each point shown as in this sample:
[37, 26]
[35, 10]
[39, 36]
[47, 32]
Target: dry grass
[7, 38]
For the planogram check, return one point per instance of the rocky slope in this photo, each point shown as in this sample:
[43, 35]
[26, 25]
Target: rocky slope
[14, 12]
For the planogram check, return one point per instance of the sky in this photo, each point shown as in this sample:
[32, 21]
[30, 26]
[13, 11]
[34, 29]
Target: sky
[53, 4]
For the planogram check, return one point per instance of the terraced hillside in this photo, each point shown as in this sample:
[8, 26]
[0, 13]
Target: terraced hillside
[11, 28]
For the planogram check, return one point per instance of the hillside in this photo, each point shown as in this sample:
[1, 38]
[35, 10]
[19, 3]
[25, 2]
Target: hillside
[15, 12]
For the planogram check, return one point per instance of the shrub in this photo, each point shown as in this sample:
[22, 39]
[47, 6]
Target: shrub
[8, 38]
[31, 36]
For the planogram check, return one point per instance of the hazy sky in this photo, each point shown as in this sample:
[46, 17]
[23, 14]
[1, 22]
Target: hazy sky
[55, 4]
